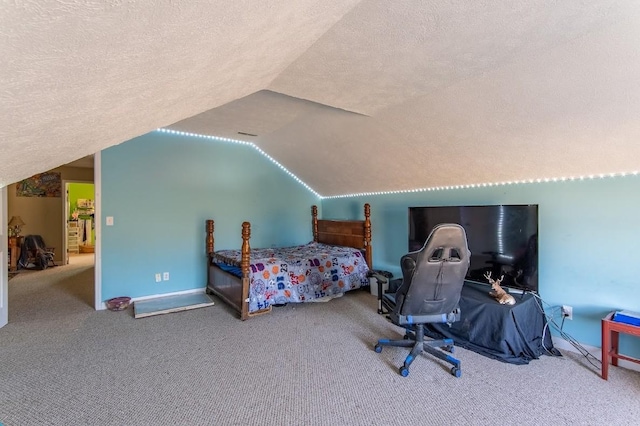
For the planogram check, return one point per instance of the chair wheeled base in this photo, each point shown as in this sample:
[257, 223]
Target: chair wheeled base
[414, 338]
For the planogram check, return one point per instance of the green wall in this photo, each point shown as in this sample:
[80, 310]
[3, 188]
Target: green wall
[81, 191]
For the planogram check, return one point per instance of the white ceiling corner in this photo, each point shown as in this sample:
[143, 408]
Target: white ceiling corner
[436, 93]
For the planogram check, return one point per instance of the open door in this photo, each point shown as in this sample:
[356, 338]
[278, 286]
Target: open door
[4, 276]
[65, 217]
[78, 218]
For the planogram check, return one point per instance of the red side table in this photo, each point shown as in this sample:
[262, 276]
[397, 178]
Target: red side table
[610, 336]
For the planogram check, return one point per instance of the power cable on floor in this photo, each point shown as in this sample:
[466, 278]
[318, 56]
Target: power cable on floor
[551, 322]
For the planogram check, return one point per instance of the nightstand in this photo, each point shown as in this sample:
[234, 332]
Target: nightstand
[15, 244]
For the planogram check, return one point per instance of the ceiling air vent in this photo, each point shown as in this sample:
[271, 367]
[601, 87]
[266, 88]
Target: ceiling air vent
[246, 134]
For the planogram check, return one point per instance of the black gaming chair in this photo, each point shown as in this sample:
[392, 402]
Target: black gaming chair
[432, 280]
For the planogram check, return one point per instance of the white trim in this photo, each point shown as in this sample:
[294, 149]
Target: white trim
[155, 296]
[175, 293]
[97, 190]
[65, 223]
[560, 343]
[65, 216]
[4, 248]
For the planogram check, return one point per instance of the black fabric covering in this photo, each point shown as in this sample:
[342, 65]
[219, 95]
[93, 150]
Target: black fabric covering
[512, 334]
[35, 250]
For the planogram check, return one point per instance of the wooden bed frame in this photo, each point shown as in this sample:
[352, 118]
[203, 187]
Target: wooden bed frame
[234, 291]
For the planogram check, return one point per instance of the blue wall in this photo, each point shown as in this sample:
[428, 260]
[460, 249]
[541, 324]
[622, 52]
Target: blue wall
[589, 241]
[160, 189]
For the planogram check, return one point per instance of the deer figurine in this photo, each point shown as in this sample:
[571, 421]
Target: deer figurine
[498, 292]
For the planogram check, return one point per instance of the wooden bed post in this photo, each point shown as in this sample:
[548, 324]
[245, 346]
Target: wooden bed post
[367, 235]
[209, 236]
[314, 216]
[236, 292]
[246, 234]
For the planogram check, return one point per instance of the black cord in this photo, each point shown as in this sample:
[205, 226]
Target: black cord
[551, 322]
[546, 325]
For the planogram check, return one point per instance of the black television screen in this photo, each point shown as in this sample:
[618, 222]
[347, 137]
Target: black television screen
[503, 240]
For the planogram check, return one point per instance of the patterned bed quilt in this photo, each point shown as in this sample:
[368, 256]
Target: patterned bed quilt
[303, 273]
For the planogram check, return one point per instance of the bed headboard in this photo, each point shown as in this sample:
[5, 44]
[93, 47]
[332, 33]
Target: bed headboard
[348, 233]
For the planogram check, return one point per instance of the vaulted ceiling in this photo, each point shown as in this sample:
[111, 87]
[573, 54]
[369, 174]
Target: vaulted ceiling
[351, 96]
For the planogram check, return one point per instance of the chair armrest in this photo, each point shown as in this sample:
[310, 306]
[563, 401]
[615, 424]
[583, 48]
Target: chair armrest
[382, 278]
[380, 275]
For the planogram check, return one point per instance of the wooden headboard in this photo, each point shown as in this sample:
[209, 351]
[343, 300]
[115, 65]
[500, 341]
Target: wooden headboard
[348, 233]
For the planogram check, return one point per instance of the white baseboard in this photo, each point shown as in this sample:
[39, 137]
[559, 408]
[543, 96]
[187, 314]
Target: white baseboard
[560, 343]
[176, 293]
[154, 296]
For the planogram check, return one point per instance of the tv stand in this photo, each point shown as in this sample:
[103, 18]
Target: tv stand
[514, 334]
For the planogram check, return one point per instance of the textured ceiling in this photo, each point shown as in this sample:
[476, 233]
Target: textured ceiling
[432, 93]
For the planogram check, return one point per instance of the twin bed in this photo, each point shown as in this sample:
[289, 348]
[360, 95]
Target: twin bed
[251, 281]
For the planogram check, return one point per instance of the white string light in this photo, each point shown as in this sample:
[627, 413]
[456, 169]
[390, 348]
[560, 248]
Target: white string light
[251, 144]
[491, 184]
[404, 191]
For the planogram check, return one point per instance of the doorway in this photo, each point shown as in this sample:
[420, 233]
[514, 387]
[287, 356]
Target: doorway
[4, 276]
[79, 220]
[47, 216]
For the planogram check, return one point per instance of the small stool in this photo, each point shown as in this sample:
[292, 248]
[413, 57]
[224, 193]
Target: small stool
[610, 337]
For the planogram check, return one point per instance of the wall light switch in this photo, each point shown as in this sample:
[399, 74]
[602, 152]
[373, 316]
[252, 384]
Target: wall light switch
[165, 276]
[109, 220]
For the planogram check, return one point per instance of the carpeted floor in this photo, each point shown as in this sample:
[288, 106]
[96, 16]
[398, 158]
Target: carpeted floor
[63, 363]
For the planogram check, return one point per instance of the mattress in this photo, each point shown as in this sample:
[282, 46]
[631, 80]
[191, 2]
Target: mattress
[296, 274]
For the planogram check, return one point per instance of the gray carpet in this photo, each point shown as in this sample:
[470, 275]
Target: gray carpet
[63, 363]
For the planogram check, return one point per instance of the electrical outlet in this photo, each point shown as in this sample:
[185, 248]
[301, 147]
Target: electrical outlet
[165, 276]
[567, 312]
[158, 278]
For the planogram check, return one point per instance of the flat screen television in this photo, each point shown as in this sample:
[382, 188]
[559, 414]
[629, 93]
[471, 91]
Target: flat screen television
[503, 240]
